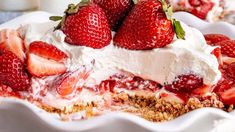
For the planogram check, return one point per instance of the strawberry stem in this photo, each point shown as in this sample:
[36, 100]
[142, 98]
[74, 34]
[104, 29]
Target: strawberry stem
[84, 3]
[168, 9]
[180, 33]
[55, 18]
[72, 9]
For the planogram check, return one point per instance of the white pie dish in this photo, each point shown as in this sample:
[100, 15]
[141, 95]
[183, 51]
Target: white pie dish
[19, 113]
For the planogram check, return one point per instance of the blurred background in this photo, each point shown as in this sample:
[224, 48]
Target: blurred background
[222, 10]
[10, 9]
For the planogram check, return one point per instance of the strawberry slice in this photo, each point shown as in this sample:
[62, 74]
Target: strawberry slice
[202, 90]
[48, 51]
[218, 55]
[106, 85]
[66, 84]
[10, 39]
[228, 97]
[227, 47]
[40, 67]
[211, 39]
[185, 83]
[231, 70]
[228, 60]
[223, 85]
[174, 97]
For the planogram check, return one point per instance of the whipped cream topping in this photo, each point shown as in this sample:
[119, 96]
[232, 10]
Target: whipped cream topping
[162, 65]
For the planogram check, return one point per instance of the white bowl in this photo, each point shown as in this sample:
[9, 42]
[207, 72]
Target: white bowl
[18, 5]
[21, 116]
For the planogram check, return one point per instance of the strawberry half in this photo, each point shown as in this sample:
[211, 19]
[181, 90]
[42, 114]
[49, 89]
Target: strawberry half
[72, 81]
[211, 39]
[202, 90]
[41, 67]
[45, 60]
[10, 40]
[174, 97]
[47, 51]
[12, 72]
[218, 55]
[116, 10]
[85, 24]
[227, 48]
[185, 83]
[148, 25]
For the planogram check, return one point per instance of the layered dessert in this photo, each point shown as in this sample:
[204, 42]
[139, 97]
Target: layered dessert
[150, 65]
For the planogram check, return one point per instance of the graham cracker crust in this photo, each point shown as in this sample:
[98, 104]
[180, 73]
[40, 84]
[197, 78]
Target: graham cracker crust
[148, 107]
[159, 110]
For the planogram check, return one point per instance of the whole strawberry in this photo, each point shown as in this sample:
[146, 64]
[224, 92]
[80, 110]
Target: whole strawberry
[116, 10]
[12, 71]
[149, 25]
[85, 24]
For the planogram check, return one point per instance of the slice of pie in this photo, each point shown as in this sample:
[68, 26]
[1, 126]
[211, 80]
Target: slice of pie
[210, 10]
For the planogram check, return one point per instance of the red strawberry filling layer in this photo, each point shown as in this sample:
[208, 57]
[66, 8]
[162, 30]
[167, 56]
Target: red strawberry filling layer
[183, 88]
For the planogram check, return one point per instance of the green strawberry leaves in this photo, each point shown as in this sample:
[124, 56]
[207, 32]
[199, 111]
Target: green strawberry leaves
[72, 9]
[168, 9]
[55, 18]
[180, 33]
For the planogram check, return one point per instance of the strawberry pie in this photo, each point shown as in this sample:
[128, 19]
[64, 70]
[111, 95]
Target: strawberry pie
[210, 10]
[121, 55]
